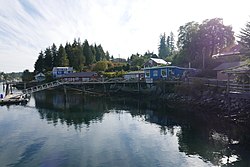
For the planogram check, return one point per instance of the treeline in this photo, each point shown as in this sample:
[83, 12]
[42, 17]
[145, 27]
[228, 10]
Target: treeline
[77, 55]
[198, 42]
[10, 76]
[195, 45]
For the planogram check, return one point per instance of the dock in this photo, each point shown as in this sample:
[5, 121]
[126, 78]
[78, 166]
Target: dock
[14, 99]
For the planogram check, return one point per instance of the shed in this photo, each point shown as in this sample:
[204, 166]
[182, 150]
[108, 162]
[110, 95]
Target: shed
[225, 66]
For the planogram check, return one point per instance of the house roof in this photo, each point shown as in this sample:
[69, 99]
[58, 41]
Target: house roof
[40, 75]
[160, 67]
[62, 68]
[243, 69]
[80, 75]
[232, 50]
[159, 61]
[225, 66]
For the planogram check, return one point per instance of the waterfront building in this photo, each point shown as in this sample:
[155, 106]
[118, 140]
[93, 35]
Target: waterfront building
[221, 75]
[58, 72]
[80, 76]
[152, 62]
[40, 77]
[166, 73]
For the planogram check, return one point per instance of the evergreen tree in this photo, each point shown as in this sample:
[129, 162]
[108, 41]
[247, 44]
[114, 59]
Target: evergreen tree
[102, 53]
[62, 56]
[48, 61]
[171, 43]
[107, 55]
[93, 52]
[54, 55]
[75, 55]
[79, 58]
[69, 53]
[98, 54]
[39, 64]
[88, 53]
[245, 36]
[163, 49]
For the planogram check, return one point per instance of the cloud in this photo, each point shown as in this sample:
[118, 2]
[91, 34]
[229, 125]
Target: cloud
[122, 27]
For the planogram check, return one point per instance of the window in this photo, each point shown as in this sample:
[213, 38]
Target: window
[163, 72]
[170, 72]
[155, 73]
[147, 74]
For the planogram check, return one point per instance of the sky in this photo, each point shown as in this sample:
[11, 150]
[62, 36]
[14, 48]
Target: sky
[122, 27]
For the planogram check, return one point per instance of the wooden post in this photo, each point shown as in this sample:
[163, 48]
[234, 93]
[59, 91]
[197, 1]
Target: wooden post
[104, 88]
[7, 89]
[10, 89]
[65, 96]
[228, 76]
[83, 89]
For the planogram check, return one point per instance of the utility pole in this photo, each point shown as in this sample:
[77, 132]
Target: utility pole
[203, 58]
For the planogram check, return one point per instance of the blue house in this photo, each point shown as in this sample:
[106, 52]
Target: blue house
[164, 72]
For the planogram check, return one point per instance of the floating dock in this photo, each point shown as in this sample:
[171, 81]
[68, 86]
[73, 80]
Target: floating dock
[14, 99]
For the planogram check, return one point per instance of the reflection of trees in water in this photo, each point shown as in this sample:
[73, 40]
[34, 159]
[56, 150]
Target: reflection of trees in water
[198, 133]
[76, 110]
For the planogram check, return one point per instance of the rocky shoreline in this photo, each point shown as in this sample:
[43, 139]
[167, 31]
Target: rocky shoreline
[210, 100]
[233, 109]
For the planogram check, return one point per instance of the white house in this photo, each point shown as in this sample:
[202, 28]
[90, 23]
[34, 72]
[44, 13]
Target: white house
[152, 62]
[40, 77]
[61, 71]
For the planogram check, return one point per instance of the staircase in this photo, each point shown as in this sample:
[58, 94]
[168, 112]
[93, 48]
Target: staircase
[42, 87]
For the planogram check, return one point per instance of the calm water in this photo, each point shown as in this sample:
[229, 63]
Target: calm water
[54, 130]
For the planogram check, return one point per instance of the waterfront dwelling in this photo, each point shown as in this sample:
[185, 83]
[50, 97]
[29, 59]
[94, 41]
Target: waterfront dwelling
[40, 77]
[58, 72]
[152, 62]
[134, 75]
[80, 76]
[221, 75]
[166, 73]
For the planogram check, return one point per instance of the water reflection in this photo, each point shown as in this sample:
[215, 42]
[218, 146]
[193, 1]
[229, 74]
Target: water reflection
[199, 134]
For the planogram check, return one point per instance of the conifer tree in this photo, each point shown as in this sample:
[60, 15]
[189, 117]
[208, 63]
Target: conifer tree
[88, 53]
[163, 49]
[39, 64]
[54, 55]
[48, 61]
[245, 36]
[62, 56]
